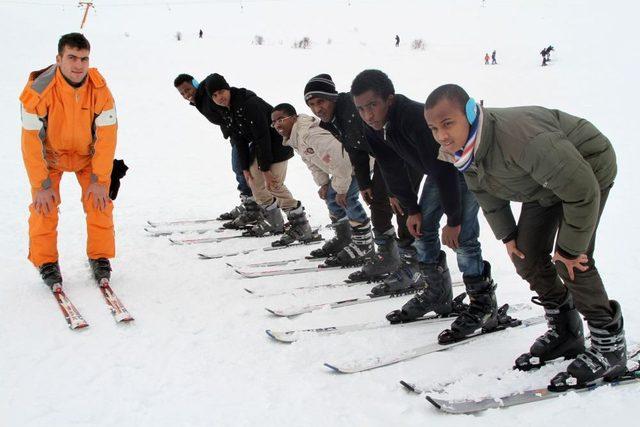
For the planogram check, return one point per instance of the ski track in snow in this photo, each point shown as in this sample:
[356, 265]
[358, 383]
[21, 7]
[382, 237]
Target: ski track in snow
[197, 354]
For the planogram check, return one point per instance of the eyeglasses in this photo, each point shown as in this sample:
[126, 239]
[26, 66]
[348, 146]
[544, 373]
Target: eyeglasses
[279, 121]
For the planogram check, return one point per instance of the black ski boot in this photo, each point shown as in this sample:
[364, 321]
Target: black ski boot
[565, 337]
[407, 277]
[359, 251]
[482, 311]
[436, 296]
[386, 261]
[270, 222]
[235, 212]
[50, 273]
[101, 269]
[339, 241]
[299, 229]
[250, 215]
[606, 358]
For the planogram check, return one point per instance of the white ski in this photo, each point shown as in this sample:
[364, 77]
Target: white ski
[373, 362]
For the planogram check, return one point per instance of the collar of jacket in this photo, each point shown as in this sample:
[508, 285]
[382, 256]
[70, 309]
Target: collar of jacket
[239, 96]
[485, 135]
[66, 87]
[394, 115]
[299, 130]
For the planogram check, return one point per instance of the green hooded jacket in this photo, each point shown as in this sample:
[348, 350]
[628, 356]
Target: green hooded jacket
[533, 154]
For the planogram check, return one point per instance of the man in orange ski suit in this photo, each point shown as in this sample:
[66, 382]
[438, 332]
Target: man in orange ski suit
[69, 124]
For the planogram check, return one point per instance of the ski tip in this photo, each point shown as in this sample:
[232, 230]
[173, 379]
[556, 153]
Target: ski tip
[79, 326]
[249, 290]
[434, 402]
[271, 311]
[333, 368]
[407, 386]
[230, 265]
[151, 223]
[269, 332]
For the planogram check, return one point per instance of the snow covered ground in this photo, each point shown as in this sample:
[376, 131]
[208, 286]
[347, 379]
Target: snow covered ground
[197, 354]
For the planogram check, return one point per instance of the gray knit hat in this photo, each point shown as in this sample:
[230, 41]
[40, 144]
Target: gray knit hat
[321, 86]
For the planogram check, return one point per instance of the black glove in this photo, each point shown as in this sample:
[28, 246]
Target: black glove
[119, 171]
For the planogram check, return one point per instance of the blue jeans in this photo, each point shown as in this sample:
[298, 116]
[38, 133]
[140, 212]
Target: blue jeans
[469, 253]
[355, 211]
[243, 187]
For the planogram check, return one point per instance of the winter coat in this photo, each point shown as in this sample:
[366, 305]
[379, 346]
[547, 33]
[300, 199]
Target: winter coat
[249, 118]
[321, 152]
[348, 128]
[67, 128]
[407, 133]
[533, 154]
[209, 109]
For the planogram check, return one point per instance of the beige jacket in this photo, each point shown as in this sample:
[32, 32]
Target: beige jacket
[322, 153]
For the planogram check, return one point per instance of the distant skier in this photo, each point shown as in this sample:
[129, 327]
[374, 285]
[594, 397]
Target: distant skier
[493, 58]
[561, 169]
[247, 212]
[200, 34]
[397, 40]
[263, 159]
[69, 125]
[548, 52]
[332, 172]
[486, 59]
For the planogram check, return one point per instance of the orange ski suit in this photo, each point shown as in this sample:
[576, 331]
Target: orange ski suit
[68, 129]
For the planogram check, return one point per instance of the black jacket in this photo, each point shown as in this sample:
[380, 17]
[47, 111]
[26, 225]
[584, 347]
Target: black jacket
[249, 118]
[348, 128]
[407, 133]
[209, 109]
[361, 141]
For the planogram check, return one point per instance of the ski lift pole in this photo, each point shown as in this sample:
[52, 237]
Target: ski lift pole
[87, 5]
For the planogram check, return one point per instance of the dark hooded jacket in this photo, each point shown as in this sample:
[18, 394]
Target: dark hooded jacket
[249, 121]
[210, 110]
[407, 134]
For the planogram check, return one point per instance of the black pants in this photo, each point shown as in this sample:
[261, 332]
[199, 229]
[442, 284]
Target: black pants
[537, 229]
[381, 212]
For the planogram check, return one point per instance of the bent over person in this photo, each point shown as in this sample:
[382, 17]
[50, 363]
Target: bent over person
[69, 125]
[561, 168]
[332, 172]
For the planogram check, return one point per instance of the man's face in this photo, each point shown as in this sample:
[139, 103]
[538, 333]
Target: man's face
[373, 109]
[282, 122]
[449, 125]
[222, 97]
[73, 63]
[322, 108]
[187, 91]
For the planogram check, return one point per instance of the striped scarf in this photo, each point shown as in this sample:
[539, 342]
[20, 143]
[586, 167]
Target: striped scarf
[464, 157]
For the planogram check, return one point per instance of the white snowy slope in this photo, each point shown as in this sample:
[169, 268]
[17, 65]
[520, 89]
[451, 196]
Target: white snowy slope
[197, 354]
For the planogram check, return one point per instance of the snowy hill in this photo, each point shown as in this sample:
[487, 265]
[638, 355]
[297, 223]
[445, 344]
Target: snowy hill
[197, 354]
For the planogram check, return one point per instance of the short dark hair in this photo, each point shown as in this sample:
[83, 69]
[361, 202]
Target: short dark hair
[374, 80]
[286, 108]
[182, 78]
[74, 40]
[452, 92]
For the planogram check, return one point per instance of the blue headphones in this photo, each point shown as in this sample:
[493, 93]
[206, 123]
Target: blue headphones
[471, 109]
[195, 83]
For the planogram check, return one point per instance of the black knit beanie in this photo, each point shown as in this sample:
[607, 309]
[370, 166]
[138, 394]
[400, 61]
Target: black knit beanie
[215, 82]
[320, 86]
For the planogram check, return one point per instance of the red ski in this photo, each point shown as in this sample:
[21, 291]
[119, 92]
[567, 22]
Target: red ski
[120, 313]
[70, 312]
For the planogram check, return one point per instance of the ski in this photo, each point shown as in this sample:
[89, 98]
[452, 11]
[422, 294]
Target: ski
[119, 312]
[204, 240]
[71, 314]
[281, 272]
[163, 232]
[365, 364]
[181, 222]
[270, 263]
[440, 387]
[247, 251]
[529, 396]
[295, 311]
[293, 336]
[277, 292]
